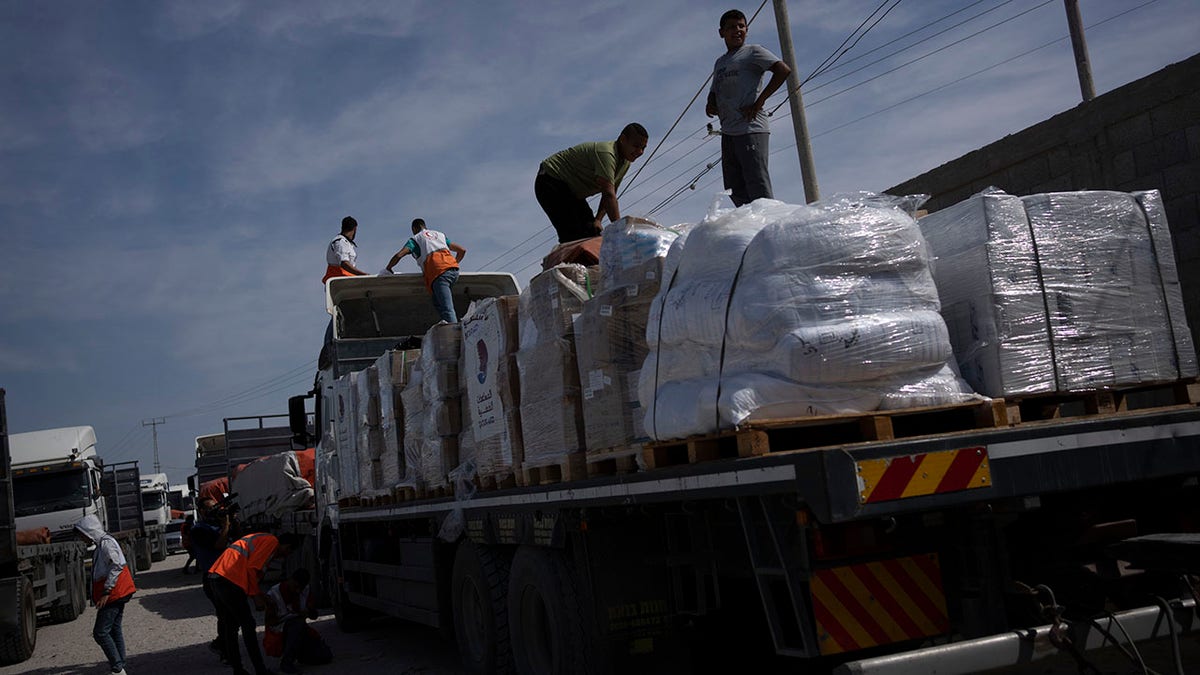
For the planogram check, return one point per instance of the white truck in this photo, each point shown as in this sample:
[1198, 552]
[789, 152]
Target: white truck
[156, 513]
[50, 479]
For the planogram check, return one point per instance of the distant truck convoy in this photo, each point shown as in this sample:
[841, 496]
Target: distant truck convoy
[156, 512]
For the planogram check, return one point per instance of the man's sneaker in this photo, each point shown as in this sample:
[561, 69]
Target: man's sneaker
[119, 672]
[289, 668]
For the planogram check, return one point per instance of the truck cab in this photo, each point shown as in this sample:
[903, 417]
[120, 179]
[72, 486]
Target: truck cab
[56, 479]
[156, 513]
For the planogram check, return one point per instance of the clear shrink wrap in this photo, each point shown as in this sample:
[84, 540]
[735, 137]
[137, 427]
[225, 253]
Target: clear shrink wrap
[441, 350]
[394, 368]
[632, 252]
[346, 390]
[1103, 288]
[412, 399]
[610, 341]
[775, 310]
[990, 288]
[491, 436]
[370, 435]
[551, 416]
[1164, 252]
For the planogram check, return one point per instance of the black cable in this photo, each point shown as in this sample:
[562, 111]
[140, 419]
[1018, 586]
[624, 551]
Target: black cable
[856, 41]
[904, 49]
[834, 54]
[1166, 610]
[1132, 645]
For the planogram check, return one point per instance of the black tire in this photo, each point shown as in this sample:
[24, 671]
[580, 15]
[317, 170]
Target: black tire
[479, 594]
[141, 554]
[18, 645]
[350, 617]
[546, 626]
[161, 554]
[71, 606]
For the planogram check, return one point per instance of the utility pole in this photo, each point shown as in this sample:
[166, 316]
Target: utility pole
[153, 424]
[1079, 43]
[808, 171]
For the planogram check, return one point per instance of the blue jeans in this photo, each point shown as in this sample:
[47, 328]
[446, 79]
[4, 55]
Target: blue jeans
[107, 633]
[443, 300]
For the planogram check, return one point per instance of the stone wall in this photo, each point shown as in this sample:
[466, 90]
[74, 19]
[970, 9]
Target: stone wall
[1143, 135]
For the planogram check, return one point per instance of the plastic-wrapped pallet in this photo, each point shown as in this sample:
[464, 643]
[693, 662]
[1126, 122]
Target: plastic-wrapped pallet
[1104, 290]
[492, 432]
[370, 435]
[412, 399]
[632, 251]
[778, 310]
[394, 369]
[988, 281]
[610, 335]
[346, 390]
[551, 416]
[1060, 292]
[441, 350]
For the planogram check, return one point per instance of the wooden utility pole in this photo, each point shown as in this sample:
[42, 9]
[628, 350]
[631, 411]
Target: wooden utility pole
[808, 171]
[1079, 43]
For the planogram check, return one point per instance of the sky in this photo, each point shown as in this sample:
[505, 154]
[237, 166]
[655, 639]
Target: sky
[171, 172]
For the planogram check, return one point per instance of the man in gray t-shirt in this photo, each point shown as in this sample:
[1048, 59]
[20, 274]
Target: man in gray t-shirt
[736, 99]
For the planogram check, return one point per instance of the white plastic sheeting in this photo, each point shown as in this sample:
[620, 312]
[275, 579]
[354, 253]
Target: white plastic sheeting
[272, 486]
[777, 310]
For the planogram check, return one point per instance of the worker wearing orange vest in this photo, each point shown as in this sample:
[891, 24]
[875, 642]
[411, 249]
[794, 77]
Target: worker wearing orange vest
[432, 251]
[233, 578]
[112, 587]
[343, 253]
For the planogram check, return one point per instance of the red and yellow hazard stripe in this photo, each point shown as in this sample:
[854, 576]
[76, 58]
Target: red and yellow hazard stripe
[878, 603]
[881, 480]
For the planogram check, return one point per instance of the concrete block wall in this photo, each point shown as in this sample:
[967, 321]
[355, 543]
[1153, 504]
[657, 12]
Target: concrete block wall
[1144, 135]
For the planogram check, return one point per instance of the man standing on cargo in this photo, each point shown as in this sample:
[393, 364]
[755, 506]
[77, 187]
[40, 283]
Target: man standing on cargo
[432, 251]
[567, 178]
[343, 253]
[736, 99]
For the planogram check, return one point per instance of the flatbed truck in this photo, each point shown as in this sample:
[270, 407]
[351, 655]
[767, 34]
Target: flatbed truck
[40, 578]
[813, 544]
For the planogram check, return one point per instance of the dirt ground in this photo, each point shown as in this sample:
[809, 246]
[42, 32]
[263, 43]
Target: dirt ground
[169, 623]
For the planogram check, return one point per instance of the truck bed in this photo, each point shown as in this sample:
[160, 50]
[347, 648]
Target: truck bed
[874, 479]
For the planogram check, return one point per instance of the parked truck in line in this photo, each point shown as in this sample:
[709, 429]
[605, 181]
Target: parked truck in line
[56, 483]
[121, 487]
[156, 513]
[860, 543]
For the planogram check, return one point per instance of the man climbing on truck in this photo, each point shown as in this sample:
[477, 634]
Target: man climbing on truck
[433, 253]
[567, 178]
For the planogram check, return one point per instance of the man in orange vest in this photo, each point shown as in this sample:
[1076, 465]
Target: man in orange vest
[234, 578]
[112, 587]
[432, 251]
[342, 253]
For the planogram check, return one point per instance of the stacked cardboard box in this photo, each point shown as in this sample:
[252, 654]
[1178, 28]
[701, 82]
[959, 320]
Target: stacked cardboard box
[441, 351]
[610, 334]
[1060, 292]
[346, 423]
[394, 370]
[551, 413]
[491, 435]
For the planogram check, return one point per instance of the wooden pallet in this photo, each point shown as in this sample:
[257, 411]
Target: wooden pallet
[404, 494]
[1045, 407]
[496, 482]
[613, 462]
[798, 433]
[571, 467]
[425, 492]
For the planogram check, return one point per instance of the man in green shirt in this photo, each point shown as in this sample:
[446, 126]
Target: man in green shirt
[567, 178]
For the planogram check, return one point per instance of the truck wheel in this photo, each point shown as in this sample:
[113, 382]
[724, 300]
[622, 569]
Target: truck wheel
[350, 617]
[71, 605]
[17, 645]
[480, 605]
[159, 554]
[142, 554]
[544, 618]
